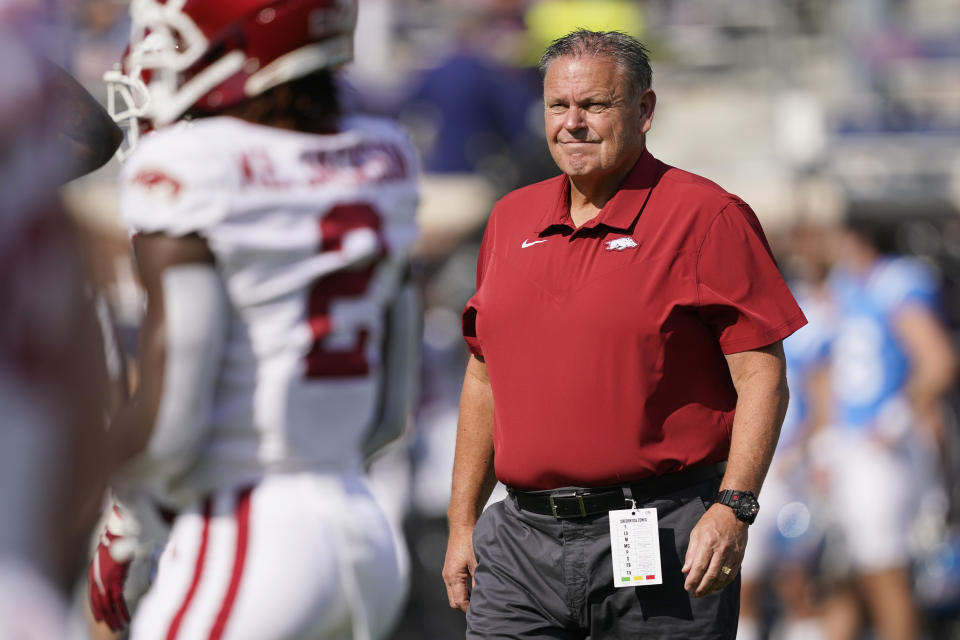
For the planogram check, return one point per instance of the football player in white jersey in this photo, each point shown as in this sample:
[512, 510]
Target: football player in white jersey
[53, 375]
[271, 235]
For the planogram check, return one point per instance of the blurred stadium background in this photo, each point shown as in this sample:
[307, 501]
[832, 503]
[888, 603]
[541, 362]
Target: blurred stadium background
[810, 110]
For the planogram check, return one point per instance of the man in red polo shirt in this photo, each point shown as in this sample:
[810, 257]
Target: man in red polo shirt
[627, 375]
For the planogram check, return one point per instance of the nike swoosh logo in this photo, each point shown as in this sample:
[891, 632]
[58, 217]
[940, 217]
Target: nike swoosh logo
[530, 244]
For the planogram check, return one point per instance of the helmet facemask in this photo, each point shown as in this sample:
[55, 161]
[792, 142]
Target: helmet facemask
[128, 100]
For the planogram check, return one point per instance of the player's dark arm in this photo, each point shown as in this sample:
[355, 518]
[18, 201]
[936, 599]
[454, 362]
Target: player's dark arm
[401, 368]
[87, 132]
[181, 342]
[719, 539]
[473, 481]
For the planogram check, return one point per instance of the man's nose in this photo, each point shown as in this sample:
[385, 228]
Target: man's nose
[574, 120]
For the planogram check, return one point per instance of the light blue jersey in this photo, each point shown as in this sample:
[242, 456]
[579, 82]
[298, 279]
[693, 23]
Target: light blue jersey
[805, 350]
[868, 364]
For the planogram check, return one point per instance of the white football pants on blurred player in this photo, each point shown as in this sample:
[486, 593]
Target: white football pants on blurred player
[298, 556]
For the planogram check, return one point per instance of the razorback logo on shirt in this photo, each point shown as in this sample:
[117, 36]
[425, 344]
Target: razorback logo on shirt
[619, 244]
[158, 182]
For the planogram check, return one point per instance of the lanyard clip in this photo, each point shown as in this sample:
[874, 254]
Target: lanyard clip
[628, 495]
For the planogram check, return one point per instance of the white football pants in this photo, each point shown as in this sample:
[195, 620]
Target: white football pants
[298, 556]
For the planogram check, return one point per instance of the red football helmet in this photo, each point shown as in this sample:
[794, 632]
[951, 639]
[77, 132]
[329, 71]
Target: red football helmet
[212, 54]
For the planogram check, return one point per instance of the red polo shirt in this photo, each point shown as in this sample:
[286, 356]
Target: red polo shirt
[605, 344]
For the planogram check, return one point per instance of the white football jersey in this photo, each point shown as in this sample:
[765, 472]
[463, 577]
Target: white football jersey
[311, 235]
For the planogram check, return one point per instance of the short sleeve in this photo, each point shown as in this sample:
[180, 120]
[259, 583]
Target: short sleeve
[472, 308]
[741, 294]
[905, 282]
[172, 184]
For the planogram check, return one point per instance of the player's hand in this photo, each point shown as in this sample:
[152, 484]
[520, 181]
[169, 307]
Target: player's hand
[718, 540]
[108, 572]
[459, 566]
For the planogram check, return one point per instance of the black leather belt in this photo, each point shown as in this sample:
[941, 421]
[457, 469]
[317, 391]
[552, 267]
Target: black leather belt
[579, 503]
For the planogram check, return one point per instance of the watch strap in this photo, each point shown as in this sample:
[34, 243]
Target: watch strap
[733, 499]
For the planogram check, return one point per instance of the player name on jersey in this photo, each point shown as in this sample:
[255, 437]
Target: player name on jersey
[374, 161]
[367, 163]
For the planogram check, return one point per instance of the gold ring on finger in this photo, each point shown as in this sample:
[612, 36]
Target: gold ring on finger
[726, 570]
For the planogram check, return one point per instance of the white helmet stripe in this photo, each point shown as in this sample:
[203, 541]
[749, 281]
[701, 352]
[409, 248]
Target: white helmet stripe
[166, 111]
[330, 53]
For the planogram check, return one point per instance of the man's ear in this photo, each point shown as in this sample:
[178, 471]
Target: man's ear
[648, 103]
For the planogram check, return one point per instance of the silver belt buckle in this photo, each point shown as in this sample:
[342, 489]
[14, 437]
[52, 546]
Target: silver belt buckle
[572, 494]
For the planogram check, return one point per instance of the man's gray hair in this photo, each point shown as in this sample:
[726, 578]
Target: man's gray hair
[628, 52]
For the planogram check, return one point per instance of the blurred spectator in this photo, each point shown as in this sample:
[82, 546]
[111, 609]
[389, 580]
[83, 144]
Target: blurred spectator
[896, 55]
[470, 114]
[475, 104]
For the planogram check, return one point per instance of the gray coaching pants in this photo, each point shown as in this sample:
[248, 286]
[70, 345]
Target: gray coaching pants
[540, 577]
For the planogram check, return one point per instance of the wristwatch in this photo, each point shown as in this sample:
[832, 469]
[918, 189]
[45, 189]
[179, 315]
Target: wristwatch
[743, 503]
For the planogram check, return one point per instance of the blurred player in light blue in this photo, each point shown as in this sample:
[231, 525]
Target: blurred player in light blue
[785, 538]
[891, 362]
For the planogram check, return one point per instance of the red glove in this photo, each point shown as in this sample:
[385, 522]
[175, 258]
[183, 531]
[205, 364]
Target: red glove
[108, 572]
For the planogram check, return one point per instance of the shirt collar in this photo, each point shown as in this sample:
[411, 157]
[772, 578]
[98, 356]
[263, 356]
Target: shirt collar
[622, 209]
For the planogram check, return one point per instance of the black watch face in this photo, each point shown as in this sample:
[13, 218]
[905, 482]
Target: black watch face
[747, 508]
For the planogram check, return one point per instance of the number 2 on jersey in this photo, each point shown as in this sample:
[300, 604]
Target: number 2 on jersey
[324, 361]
